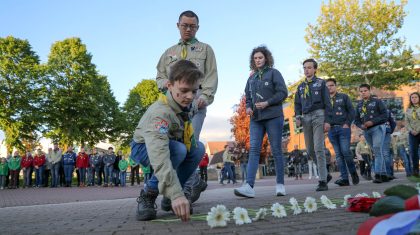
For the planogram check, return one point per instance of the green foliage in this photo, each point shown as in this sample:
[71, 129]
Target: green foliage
[22, 93]
[355, 42]
[81, 106]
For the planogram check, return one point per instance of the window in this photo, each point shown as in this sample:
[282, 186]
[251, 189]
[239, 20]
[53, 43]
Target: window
[286, 129]
[297, 129]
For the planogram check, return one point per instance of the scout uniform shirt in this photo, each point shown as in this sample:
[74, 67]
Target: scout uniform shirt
[202, 56]
[162, 122]
[373, 110]
[412, 118]
[342, 110]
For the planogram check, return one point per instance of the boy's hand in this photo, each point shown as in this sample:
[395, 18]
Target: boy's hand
[181, 208]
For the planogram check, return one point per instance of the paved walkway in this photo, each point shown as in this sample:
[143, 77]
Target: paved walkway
[98, 210]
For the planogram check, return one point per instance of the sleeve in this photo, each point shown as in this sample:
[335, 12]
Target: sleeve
[327, 103]
[298, 103]
[357, 119]
[392, 123]
[350, 111]
[209, 84]
[408, 121]
[248, 96]
[156, 138]
[382, 116]
[279, 87]
[358, 151]
[162, 74]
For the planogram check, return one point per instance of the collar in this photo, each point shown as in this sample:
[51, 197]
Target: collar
[169, 100]
[314, 78]
[189, 42]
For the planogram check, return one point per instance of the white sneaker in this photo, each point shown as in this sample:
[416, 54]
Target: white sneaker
[310, 177]
[280, 190]
[317, 177]
[244, 191]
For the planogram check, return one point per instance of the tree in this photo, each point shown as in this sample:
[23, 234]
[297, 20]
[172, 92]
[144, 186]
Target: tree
[81, 105]
[240, 128]
[22, 92]
[144, 94]
[356, 42]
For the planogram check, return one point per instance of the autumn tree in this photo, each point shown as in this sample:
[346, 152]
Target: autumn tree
[356, 42]
[22, 92]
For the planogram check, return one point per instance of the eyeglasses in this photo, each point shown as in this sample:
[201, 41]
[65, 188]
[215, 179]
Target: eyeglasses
[191, 26]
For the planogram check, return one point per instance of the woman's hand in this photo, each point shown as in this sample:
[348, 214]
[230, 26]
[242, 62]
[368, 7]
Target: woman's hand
[261, 105]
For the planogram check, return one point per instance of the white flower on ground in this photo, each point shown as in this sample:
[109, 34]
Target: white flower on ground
[362, 195]
[278, 210]
[310, 205]
[262, 212]
[295, 206]
[327, 202]
[418, 187]
[240, 215]
[218, 216]
[345, 200]
[376, 195]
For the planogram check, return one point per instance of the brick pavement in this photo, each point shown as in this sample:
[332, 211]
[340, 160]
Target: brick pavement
[90, 210]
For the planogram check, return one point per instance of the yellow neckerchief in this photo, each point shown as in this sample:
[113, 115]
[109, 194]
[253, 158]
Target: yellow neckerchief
[332, 100]
[364, 106]
[189, 139]
[307, 84]
[414, 114]
[184, 45]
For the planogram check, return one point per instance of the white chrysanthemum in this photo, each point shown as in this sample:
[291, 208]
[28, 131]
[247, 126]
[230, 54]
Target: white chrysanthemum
[310, 205]
[278, 210]
[262, 212]
[295, 206]
[362, 195]
[376, 195]
[418, 187]
[218, 216]
[346, 197]
[240, 215]
[327, 202]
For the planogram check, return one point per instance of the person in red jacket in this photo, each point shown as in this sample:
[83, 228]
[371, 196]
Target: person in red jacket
[203, 167]
[26, 165]
[82, 163]
[39, 165]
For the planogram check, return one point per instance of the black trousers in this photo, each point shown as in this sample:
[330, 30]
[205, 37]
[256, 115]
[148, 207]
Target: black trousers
[203, 173]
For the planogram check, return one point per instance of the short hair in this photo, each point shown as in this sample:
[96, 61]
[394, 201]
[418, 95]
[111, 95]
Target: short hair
[365, 85]
[311, 60]
[269, 60]
[185, 70]
[110, 148]
[188, 14]
[331, 80]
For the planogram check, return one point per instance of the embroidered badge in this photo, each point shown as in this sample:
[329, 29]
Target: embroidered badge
[162, 127]
[266, 83]
[197, 64]
[172, 57]
[316, 93]
[174, 126]
[198, 49]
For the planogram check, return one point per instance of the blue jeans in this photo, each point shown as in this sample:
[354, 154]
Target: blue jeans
[185, 163]
[98, 175]
[375, 137]
[68, 173]
[340, 139]
[386, 148]
[27, 176]
[414, 142]
[82, 173]
[406, 159]
[54, 174]
[108, 173]
[91, 175]
[123, 178]
[39, 173]
[244, 172]
[274, 128]
[228, 172]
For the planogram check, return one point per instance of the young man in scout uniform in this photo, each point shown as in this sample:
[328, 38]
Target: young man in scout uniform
[164, 139]
[313, 111]
[342, 117]
[371, 116]
[202, 55]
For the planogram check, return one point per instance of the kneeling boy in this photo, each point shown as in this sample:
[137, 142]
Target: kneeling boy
[165, 139]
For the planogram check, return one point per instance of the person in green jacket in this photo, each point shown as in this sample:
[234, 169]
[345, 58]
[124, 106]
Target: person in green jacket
[123, 165]
[147, 173]
[134, 171]
[4, 170]
[14, 167]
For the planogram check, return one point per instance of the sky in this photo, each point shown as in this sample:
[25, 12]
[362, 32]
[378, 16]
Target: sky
[127, 38]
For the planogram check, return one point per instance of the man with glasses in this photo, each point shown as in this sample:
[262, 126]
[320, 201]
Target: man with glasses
[202, 55]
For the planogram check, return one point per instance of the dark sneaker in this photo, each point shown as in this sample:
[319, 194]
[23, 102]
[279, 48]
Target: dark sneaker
[165, 204]
[197, 190]
[355, 178]
[329, 178]
[146, 207]
[378, 179]
[322, 186]
[385, 178]
[342, 182]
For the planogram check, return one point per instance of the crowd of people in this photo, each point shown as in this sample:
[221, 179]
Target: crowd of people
[56, 169]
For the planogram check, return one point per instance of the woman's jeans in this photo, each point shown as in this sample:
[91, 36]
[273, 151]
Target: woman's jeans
[39, 173]
[123, 178]
[274, 129]
[414, 142]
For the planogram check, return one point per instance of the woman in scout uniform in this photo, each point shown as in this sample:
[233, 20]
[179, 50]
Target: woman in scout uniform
[412, 119]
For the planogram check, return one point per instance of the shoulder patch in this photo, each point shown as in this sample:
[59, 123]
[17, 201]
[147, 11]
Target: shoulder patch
[162, 126]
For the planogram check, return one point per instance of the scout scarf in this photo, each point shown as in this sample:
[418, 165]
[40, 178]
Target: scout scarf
[332, 100]
[306, 91]
[260, 72]
[189, 139]
[184, 45]
[364, 107]
[414, 115]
